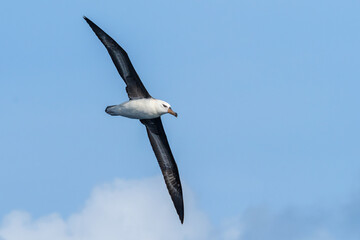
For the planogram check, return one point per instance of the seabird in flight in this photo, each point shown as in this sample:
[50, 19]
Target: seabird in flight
[148, 110]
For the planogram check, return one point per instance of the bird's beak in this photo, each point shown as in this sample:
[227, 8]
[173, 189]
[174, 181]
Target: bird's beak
[172, 112]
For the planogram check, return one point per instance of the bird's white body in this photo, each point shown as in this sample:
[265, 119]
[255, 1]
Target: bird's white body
[145, 108]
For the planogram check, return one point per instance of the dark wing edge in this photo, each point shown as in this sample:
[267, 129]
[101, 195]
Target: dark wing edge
[135, 88]
[169, 169]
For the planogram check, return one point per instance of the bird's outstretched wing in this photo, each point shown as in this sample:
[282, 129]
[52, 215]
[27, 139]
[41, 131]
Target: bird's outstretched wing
[134, 87]
[166, 161]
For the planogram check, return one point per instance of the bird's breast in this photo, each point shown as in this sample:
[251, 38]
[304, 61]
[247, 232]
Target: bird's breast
[138, 109]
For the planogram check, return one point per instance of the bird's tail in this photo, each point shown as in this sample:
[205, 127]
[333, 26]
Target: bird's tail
[113, 110]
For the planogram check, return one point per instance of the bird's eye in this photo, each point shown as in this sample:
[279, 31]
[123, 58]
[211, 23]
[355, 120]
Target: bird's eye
[164, 105]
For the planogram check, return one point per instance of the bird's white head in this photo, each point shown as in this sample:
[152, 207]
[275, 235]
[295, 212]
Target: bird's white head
[163, 107]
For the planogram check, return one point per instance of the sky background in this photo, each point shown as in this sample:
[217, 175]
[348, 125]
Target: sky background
[267, 138]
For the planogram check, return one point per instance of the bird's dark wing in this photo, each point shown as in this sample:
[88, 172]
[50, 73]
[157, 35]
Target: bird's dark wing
[166, 161]
[134, 87]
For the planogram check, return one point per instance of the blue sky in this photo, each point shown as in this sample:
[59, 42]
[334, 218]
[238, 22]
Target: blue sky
[266, 91]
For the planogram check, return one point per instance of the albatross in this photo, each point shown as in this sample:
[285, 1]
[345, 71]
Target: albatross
[148, 110]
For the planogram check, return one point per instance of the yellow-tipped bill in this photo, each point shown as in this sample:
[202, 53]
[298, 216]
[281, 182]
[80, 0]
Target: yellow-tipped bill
[172, 112]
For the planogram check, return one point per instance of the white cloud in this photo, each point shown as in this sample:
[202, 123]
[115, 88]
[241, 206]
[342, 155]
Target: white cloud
[142, 209]
[122, 210]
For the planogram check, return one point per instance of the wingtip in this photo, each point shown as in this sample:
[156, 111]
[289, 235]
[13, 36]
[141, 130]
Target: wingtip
[181, 216]
[86, 19]
[89, 22]
[180, 211]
